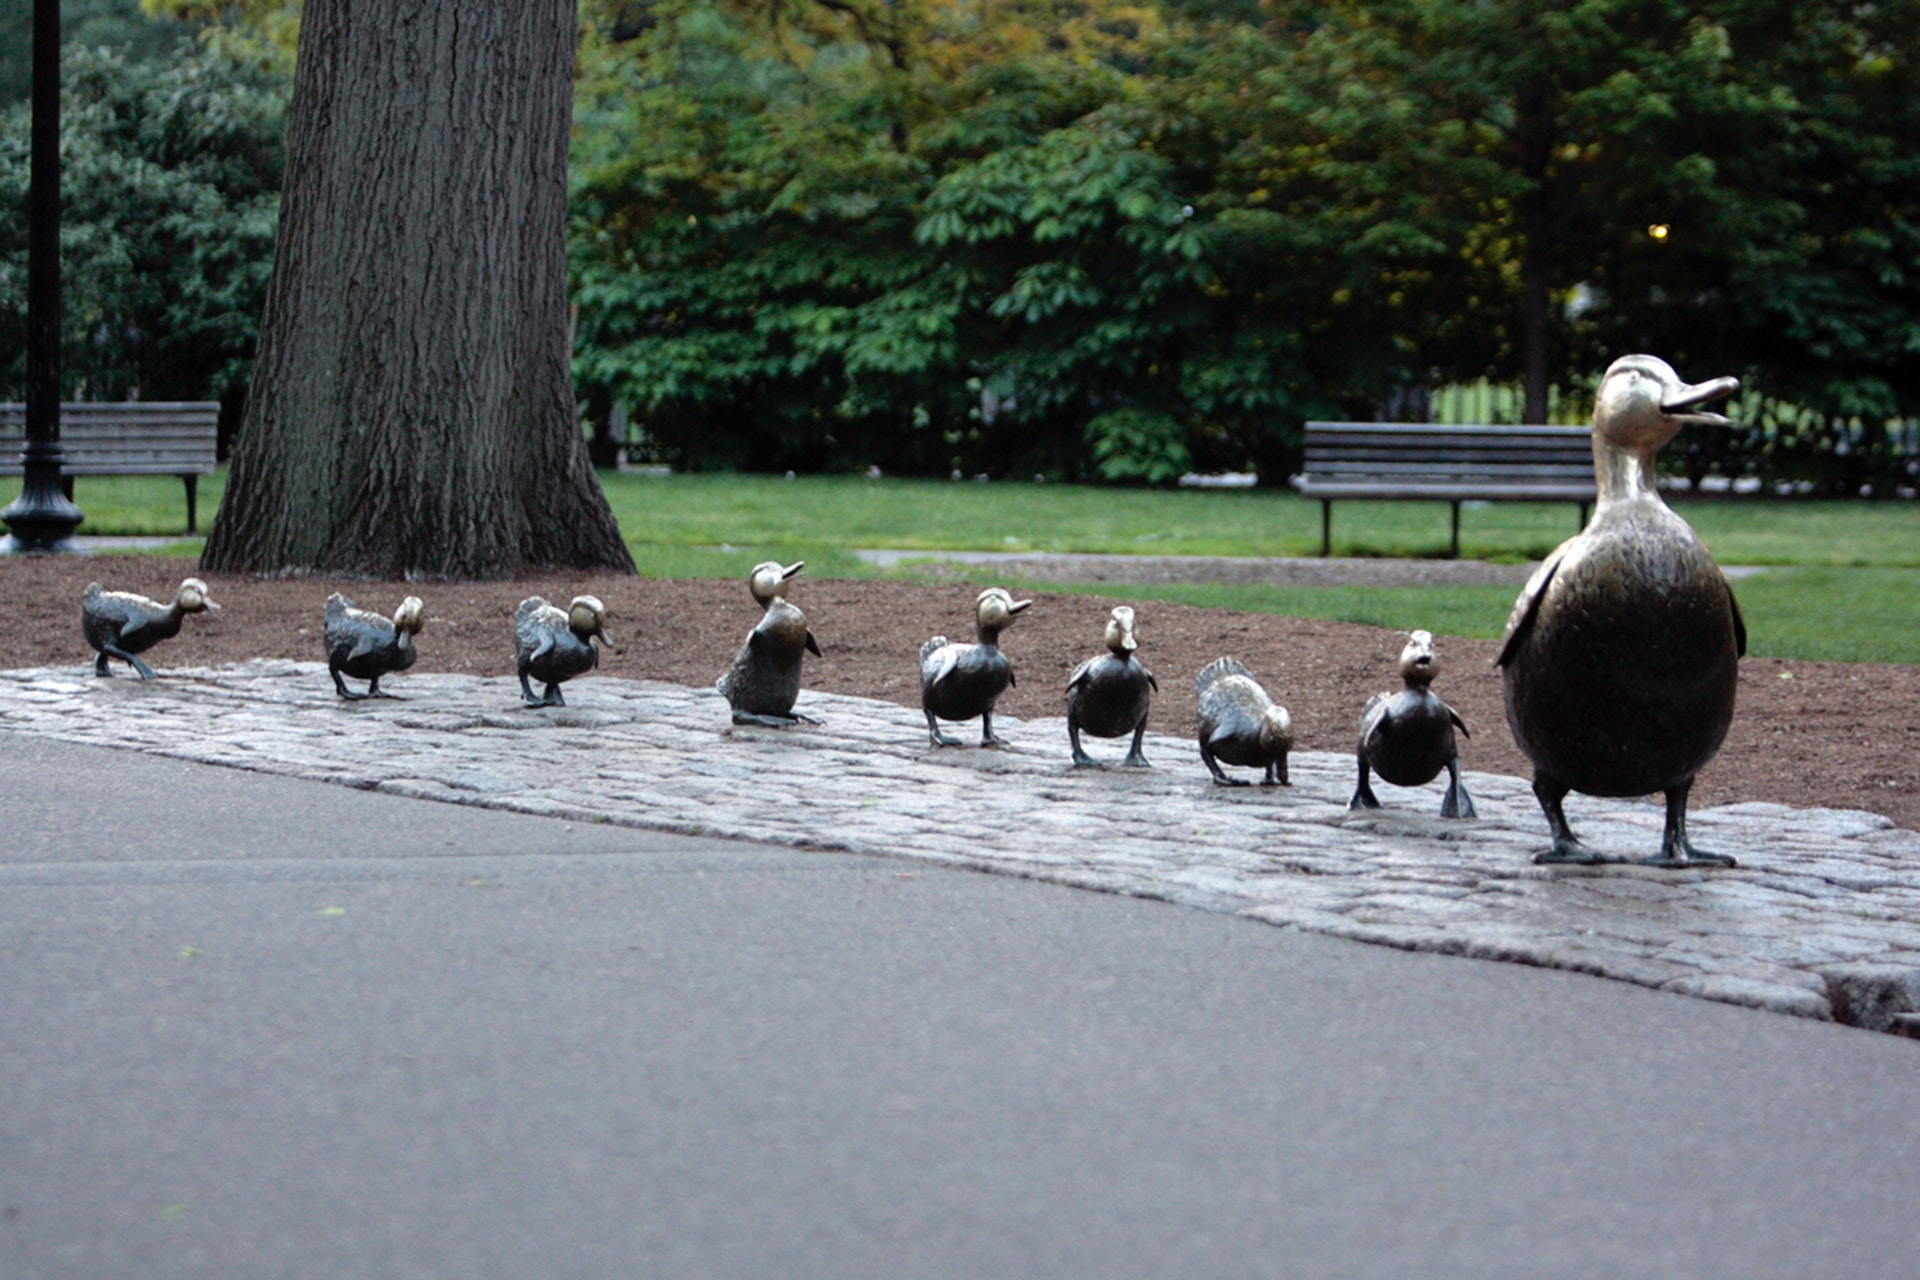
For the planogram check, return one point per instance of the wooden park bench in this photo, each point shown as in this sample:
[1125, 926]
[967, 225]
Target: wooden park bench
[1452, 464]
[134, 438]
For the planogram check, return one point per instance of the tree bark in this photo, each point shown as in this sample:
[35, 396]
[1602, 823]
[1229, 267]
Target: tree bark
[411, 413]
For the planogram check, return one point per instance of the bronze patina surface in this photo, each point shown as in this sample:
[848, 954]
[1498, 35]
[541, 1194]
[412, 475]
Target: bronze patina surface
[1622, 655]
[1240, 724]
[121, 624]
[764, 681]
[961, 681]
[1108, 696]
[1407, 737]
[367, 646]
[553, 646]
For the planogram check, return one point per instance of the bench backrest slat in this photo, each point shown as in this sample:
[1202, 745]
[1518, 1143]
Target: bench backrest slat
[1411, 452]
[140, 437]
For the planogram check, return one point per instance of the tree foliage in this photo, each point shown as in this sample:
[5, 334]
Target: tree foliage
[1118, 239]
[171, 190]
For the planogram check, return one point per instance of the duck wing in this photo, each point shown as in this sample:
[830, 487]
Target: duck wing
[1527, 607]
[355, 630]
[1080, 674]
[117, 610]
[937, 661]
[1371, 720]
[533, 633]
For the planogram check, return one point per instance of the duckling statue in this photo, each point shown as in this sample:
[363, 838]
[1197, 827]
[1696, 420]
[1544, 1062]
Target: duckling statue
[120, 624]
[1407, 737]
[367, 646]
[1108, 695]
[1241, 725]
[1623, 651]
[554, 646]
[961, 681]
[764, 681]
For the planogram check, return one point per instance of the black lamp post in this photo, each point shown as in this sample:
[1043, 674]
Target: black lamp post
[43, 519]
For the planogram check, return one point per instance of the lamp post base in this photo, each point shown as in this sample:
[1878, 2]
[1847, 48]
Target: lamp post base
[41, 523]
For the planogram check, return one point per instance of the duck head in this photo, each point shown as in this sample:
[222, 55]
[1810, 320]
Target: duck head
[1120, 638]
[192, 598]
[587, 617]
[996, 609]
[1276, 729]
[768, 581]
[410, 616]
[1643, 403]
[1418, 665]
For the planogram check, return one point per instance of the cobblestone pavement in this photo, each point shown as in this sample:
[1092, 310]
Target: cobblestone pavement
[1822, 918]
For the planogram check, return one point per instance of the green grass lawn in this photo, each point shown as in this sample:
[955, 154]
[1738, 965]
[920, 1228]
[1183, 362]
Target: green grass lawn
[1843, 582]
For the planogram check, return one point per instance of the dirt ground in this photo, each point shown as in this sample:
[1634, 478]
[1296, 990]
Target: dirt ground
[1805, 733]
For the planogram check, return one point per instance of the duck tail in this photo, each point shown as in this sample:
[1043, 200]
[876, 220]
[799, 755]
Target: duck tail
[931, 647]
[1219, 669]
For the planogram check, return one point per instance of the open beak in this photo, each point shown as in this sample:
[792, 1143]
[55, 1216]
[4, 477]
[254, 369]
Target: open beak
[1018, 606]
[211, 606]
[1678, 401]
[792, 571]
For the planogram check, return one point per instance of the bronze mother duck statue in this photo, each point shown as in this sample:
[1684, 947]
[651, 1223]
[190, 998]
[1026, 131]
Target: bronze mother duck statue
[764, 681]
[1623, 652]
[553, 646]
[961, 681]
[120, 624]
[367, 646]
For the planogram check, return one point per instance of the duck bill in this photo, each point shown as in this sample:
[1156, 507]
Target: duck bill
[1019, 606]
[211, 607]
[1677, 403]
[792, 571]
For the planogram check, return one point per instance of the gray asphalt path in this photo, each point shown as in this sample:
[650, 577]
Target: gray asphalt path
[259, 1027]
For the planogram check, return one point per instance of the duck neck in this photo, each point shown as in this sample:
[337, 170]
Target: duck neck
[1621, 475]
[987, 636]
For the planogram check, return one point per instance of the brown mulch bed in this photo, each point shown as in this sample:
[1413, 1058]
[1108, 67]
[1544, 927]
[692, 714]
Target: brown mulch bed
[1806, 733]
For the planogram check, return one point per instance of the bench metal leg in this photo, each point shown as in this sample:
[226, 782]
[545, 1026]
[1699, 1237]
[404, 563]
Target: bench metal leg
[1456, 531]
[1326, 527]
[193, 494]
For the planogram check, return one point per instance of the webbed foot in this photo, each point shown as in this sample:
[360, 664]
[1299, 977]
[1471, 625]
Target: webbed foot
[772, 722]
[1568, 850]
[1675, 849]
[1135, 760]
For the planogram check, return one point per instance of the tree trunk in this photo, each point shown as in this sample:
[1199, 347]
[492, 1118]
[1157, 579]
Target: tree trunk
[411, 412]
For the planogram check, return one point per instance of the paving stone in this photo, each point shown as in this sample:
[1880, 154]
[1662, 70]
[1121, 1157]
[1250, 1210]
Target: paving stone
[1822, 918]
